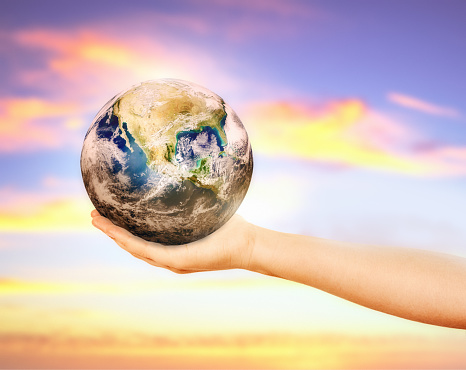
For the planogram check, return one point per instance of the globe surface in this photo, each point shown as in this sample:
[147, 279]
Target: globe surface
[167, 160]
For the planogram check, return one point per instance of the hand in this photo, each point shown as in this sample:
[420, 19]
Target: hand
[417, 285]
[229, 247]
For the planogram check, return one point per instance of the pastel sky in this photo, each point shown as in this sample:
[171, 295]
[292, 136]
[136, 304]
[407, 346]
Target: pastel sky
[356, 111]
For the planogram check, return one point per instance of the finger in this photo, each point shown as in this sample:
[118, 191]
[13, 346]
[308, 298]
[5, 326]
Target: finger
[138, 247]
[124, 238]
[173, 269]
[149, 261]
[95, 213]
[181, 272]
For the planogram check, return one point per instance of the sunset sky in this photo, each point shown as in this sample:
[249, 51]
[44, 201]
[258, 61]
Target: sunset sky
[356, 111]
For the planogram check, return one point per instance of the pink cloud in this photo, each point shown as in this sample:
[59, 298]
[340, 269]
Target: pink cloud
[31, 123]
[78, 71]
[422, 106]
[348, 133]
[100, 61]
[383, 131]
[446, 159]
[87, 60]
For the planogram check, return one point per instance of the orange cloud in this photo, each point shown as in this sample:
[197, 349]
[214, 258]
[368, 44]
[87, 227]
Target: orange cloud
[31, 123]
[346, 133]
[422, 106]
[82, 69]
[90, 63]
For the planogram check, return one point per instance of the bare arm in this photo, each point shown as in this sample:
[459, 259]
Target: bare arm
[417, 285]
[414, 284]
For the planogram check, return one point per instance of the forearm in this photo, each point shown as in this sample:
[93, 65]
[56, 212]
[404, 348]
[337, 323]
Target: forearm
[417, 285]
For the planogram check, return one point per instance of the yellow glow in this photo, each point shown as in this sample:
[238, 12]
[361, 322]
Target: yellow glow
[21, 287]
[9, 286]
[19, 109]
[70, 323]
[74, 123]
[292, 130]
[14, 286]
[61, 214]
[105, 53]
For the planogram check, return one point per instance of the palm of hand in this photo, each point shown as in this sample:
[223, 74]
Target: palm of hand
[229, 247]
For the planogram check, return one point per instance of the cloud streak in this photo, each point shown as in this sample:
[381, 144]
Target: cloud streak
[422, 105]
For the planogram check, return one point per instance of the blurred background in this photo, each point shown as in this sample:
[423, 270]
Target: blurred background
[356, 111]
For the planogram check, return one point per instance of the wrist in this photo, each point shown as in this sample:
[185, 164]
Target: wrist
[261, 248]
[279, 254]
[246, 246]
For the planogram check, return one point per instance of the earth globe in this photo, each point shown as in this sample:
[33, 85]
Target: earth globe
[168, 160]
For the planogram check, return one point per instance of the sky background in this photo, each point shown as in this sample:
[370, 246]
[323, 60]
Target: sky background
[356, 111]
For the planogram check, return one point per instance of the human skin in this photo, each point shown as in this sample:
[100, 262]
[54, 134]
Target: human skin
[418, 285]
